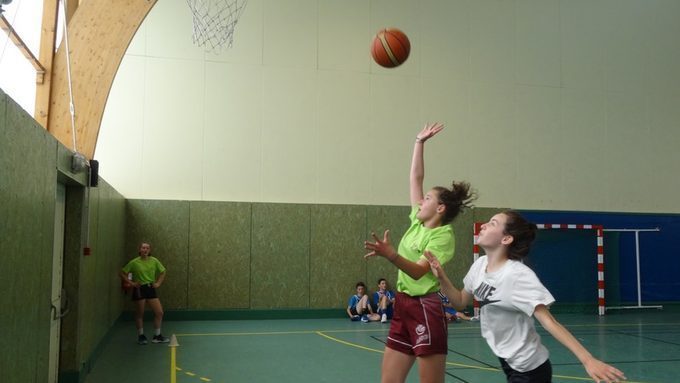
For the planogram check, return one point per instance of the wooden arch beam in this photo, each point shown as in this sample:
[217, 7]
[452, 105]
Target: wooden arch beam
[99, 34]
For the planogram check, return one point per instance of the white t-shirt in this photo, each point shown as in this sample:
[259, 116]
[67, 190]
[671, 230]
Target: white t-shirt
[508, 298]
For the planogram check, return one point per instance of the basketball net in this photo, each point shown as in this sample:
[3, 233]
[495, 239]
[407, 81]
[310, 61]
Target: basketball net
[214, 22]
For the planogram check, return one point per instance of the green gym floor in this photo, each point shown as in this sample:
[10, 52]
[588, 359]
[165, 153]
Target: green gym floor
[645, 344]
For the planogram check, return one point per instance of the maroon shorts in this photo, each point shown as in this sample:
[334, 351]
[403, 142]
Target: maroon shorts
[419, 325]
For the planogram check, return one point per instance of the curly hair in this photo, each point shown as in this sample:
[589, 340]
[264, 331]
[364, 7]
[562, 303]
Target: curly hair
[458, 197]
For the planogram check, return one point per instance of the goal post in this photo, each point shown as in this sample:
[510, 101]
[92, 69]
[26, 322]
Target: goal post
[599, 234]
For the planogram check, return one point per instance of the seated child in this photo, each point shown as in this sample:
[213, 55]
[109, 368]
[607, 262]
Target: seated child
[358, 307]
[383, 299]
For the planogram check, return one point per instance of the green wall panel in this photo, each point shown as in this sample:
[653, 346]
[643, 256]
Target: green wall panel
[219, 255]
[92, 304]
[280, 256]
[164, 224]
[100, 294]
[111, 245]
[337, 263]
[28, 179]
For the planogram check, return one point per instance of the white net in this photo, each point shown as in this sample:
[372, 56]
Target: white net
[214, 22]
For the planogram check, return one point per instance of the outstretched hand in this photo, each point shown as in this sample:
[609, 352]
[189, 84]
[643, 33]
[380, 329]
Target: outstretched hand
[435, 266]
[429, 130]
[380, 247]
[602, 372]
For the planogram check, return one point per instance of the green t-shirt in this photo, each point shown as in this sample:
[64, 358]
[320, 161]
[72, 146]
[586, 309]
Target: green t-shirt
[440, 241]
[144, 271]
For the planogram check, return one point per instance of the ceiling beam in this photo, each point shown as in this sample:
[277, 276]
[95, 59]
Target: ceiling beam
[14, 36]
[48, 36]
[99, 34]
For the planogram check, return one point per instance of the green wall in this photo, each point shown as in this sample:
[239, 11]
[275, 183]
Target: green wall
[238, 255]
[32, 162]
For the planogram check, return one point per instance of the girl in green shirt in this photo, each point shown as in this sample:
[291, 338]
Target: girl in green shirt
[419, 329]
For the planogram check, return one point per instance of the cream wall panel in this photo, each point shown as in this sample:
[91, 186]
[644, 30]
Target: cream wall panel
[341, 47]
[233, 138]
[664, 126]
[122, 131]
[627, 152]
[445, 42]
[289, 135]
[538, 42]
[582, 40]
[539, 165]
[664, 66]
[393, 125]
[627, 44]
[451, 153]
[582, 135]
[173, 129]
[492, 41]
[290, 33]
[494, 168]
[344, 150]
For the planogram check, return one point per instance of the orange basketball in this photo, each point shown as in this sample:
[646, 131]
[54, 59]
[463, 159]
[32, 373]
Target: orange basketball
[390, 47]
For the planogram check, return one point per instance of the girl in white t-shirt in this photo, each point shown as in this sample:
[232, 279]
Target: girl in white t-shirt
[510, 293]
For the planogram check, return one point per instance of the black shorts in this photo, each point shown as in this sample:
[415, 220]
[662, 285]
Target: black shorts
[541, 374]
[144, 292]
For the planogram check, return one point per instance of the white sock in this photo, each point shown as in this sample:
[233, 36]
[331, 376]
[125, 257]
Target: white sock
[140, 331]
[158, 331]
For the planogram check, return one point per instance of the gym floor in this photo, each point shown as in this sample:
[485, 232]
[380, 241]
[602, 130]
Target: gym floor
[645, 344]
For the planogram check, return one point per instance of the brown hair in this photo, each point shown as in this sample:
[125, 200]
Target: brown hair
[459, 197]
[523, 234]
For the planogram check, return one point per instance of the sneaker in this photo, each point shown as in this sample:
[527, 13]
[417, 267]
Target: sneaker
[364, 318]
[160, 339]
[474, 319]
[383, 318]
[142, 340]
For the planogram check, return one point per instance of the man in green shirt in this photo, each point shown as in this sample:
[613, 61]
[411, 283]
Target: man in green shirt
[145, 274]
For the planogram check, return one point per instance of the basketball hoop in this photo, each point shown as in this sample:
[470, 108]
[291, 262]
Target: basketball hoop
[214, 22]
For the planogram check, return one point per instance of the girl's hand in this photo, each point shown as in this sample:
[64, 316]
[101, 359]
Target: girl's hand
[435, 266]
[429, 130]
[602, 372]
[381, 248]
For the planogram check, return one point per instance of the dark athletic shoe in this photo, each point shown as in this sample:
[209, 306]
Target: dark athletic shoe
[160, 339]
[142, 340]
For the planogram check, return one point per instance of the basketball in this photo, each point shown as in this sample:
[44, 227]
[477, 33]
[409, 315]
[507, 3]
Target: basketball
[390, 47]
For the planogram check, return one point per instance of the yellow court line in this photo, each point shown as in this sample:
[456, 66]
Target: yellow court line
[349, 343]
[173, 365]
[451, 363]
